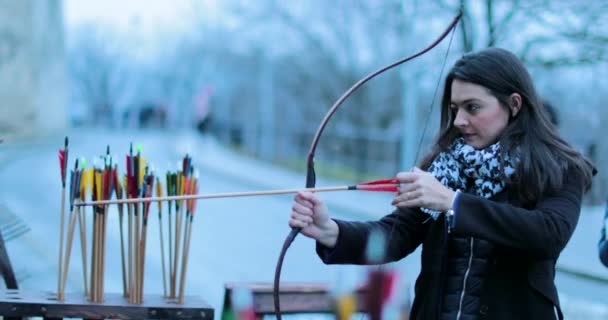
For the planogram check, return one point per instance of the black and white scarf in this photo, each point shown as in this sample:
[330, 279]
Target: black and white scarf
[482, 168]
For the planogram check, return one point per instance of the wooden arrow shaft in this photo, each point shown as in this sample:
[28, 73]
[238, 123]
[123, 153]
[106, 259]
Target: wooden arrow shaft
[232, 194]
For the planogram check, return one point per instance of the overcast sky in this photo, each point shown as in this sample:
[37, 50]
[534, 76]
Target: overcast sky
[146, 16]
[147, 25]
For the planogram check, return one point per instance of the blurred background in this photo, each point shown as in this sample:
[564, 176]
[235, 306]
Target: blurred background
[243, 85]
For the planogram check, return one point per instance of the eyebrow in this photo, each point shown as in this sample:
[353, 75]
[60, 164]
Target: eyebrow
[464, 101]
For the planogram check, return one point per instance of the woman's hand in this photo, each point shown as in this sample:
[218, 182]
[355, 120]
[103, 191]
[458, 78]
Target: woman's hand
[421, 189]
[311, 215]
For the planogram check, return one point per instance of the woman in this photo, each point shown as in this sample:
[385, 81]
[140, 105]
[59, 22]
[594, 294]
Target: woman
[494, 204]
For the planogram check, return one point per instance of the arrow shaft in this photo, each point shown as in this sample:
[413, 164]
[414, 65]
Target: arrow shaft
[61, 231]
[237, 194]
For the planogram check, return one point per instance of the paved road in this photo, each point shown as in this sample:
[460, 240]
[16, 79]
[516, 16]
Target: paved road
[233, 239]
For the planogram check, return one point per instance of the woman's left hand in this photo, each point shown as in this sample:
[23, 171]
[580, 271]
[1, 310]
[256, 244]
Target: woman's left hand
[421, 189]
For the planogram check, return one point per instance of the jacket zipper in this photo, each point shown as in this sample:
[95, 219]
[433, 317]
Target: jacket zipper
[443, 267]
[449, 217]
[464, 280]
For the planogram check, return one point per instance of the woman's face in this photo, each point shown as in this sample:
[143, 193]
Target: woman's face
[480, 117]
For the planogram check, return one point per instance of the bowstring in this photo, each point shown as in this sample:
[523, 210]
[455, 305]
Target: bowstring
[428, 115]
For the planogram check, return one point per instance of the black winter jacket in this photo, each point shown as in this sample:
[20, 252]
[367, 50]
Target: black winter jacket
[519, 279]
[467, 264]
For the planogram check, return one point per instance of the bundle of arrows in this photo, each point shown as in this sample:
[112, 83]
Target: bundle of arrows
[139, 187]
[139, 181]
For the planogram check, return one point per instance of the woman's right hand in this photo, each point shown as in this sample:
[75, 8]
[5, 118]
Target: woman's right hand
[311, 215]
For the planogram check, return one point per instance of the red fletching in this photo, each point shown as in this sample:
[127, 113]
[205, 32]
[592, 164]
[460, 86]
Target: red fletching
[390, 277]
[381, 181]
[128, 166]
[185, 166]
[187, 185]
[388, 185]
[379, 289]
[63, 161]
[62, 165]
[187, 203]
[105, 186]
[247, 314]
[128, 159]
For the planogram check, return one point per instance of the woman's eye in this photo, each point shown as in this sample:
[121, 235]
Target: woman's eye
[473, 107]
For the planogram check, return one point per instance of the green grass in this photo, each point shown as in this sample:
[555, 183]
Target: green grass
[322, 169]
[327, 170]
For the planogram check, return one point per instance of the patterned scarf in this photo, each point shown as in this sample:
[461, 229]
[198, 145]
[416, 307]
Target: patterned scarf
[463, 163]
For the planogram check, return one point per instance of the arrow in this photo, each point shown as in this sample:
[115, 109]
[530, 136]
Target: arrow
[159, 193]
[386, 185]
[63, 161]
[84, 181]
[191, 188]
[75, 177]
[119, 192]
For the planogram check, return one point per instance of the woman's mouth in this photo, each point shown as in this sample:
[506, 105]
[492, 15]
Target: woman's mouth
[468, 136]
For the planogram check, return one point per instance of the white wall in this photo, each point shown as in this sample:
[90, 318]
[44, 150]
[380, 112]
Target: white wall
[32, 67]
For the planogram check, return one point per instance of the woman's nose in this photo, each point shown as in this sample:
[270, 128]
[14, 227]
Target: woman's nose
[461, 119]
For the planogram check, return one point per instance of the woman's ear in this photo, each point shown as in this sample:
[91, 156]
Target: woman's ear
[514, 104]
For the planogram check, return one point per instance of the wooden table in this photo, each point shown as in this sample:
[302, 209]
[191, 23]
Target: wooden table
[18, 303]
[296, 298]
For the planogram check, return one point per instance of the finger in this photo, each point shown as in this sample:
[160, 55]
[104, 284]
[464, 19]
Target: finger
[400, 198]
[407, 177]
[414, 203]
[297, 224]
[303, 200]
[407, 197]
[409, 200]
[302, 209]
[316, 201]
[312, 198]
[302, 194]
[408, 187]
[301, 217]
[306, 195]
[416, 169]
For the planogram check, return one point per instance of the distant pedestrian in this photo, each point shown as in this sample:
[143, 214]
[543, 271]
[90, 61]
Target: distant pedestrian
[603, 245]
[203, 112]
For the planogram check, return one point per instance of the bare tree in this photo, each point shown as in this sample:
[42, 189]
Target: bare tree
[306, 54]
[93, 67]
